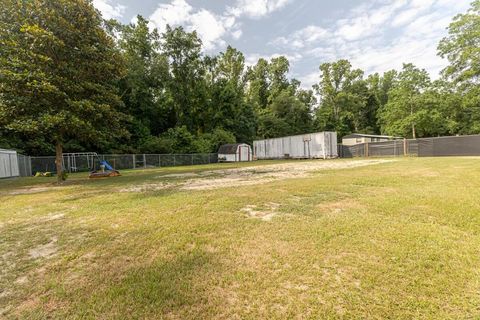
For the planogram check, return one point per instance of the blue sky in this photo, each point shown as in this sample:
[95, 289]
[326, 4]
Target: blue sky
[375, 35]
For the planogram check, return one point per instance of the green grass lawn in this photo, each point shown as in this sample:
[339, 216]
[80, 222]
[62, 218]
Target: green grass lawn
[396, 240]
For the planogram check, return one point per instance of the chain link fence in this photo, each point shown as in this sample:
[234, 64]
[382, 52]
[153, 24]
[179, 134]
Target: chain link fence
[87, 162]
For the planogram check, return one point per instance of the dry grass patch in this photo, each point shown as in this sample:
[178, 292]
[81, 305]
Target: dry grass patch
[344, 205]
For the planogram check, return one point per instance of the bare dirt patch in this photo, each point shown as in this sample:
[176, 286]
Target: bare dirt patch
[148, 187]
[266, 213]
[28, 190]
[180, 175]
[264, 174]
[45, 250]
[215, 179]
[54, 216]
[21, 280]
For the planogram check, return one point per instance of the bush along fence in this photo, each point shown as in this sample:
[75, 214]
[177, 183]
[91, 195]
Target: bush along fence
[424, 147]
[89, 161]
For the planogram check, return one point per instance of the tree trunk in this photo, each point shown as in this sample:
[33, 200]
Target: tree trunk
[414, 135]
[58, 161]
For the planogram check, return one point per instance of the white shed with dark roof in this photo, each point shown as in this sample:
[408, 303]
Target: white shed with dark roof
[235, 152]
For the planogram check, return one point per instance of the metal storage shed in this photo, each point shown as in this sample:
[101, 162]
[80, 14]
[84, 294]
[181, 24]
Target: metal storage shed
[8, 164]
[319, 145]
[235, 152]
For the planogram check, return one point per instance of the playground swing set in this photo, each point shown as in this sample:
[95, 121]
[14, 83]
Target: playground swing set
[105, 170]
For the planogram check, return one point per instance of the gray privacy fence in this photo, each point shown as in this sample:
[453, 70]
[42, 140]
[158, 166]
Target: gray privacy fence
[449, 146]
[24, 165]
[424, 147]
[72, 163]
[394, 148]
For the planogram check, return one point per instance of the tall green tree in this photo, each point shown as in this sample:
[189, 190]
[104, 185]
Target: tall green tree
[278, 77]
[462, 49]
[58, 73]
[406, 113]
[142, 88]
[258, 85]
[186, 84]
[227, 109]
[281, 108]
[342, 97]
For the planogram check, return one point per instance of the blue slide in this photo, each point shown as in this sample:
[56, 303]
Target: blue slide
[106, 164]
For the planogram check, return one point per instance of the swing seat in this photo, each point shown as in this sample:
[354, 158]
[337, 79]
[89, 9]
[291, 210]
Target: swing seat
[105, 174]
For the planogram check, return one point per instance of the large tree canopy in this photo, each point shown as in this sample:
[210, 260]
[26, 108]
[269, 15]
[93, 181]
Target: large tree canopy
[58, 73]
[462, 49]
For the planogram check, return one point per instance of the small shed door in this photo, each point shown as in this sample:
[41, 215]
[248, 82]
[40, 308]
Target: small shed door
[244, 153]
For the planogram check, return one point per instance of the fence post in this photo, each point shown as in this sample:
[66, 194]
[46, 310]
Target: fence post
[174, 164]
[144, 161]
[366, 149]
[405, 149]
[159, 160]
[191, 156]
[133, 158]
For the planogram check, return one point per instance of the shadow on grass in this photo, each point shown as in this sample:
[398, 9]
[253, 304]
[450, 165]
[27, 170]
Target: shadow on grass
[164, 287]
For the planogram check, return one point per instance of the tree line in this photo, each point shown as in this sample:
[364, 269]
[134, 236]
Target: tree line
[71, 81]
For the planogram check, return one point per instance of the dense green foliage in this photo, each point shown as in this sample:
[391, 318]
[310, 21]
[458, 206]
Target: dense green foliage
[67, 77]
[58, 73]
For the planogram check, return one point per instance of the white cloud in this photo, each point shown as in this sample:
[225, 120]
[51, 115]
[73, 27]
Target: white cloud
[377, 37]
[209, 26]
[405, 17]
[366, 21]
[308, 80]
[303, 37]
[109, 10]
[256, 8]
[175, 13]
[237, 34]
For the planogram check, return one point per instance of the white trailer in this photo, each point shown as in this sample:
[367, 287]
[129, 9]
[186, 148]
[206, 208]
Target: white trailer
[8, 164]
[319, 145]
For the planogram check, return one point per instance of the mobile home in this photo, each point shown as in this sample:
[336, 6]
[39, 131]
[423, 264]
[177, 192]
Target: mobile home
[319, 145]
[359, 138]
